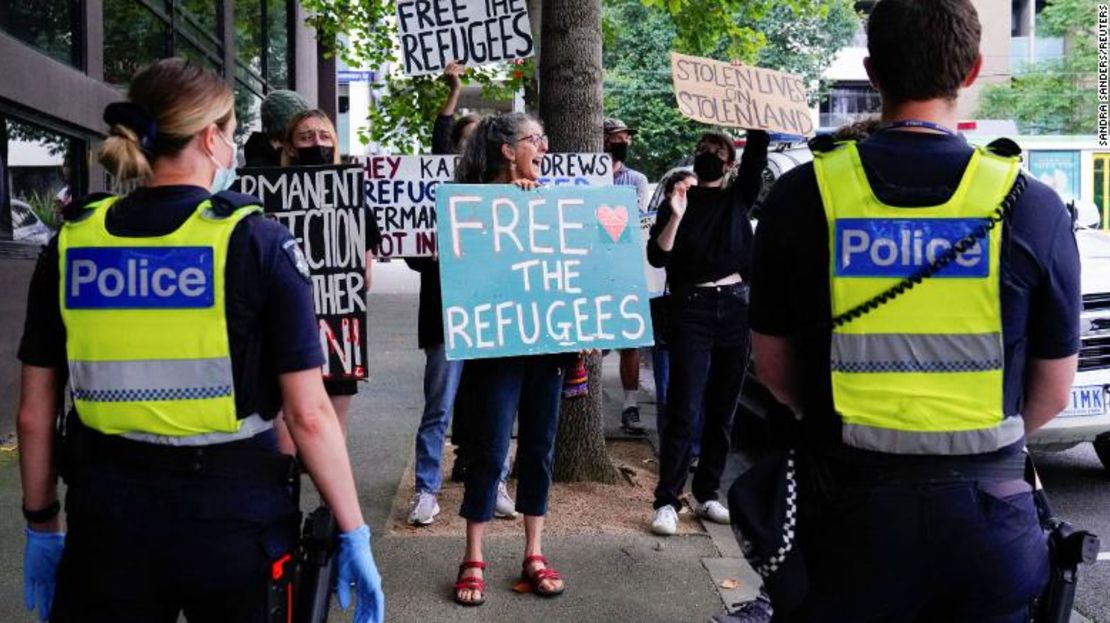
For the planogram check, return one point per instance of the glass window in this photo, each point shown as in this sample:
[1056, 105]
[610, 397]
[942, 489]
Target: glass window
[248, 34]
[277, 41]
[197, 39]
[134, 37]
[46, 171]
[848, 103]
[52, 26]
[248, 104]
[208, 59]
[203, 15]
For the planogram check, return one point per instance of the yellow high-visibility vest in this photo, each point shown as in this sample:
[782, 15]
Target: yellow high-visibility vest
[146, 328]
[922, 373]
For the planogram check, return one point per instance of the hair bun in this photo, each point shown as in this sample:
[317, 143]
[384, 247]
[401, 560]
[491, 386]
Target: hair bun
[135, 118]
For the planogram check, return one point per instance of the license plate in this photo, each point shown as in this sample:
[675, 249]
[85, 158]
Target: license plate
[1085, 401]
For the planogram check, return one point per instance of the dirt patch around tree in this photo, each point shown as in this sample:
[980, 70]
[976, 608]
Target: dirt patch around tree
[580, 508]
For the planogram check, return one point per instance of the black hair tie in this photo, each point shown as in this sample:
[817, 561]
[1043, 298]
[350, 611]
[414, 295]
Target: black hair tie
[134, 117]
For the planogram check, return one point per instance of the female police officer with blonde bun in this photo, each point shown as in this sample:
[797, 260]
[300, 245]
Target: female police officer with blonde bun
[183, 321]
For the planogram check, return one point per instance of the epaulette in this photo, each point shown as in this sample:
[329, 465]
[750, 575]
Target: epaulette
[822, 143]
[226, 202]
[79, 208]
[1004, 147]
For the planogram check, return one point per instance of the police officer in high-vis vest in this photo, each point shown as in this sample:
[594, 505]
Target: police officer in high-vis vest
[182, 320]
[915, 300]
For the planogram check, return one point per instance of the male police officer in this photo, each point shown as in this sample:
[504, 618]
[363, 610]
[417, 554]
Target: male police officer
[915, 407]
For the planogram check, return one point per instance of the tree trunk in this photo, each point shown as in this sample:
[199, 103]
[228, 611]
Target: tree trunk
[532, 86]
[571, 109]
[570, 74]
[580, 453]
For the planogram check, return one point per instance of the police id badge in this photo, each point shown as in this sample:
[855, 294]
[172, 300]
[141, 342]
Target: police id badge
[899, 248]
[139, 278]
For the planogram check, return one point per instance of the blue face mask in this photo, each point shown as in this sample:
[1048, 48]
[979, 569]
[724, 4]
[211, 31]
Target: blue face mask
[225, 176]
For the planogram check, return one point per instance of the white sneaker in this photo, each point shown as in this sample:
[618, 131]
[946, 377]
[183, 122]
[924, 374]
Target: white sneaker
[505, 508]
[665, 522]
[424, 509]
[713, 511]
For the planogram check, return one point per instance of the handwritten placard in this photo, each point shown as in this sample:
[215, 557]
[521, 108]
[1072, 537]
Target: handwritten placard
[740, 96]
[324, 209]
[551, 270]
[401, 193]
[473, 32]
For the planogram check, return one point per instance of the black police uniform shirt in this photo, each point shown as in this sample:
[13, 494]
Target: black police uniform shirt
[790, 278]
[270, 316]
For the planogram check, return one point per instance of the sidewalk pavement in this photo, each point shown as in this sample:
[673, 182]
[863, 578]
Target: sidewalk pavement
[609, 578]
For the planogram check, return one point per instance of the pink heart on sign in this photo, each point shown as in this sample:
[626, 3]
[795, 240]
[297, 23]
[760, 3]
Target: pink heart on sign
[613, 220]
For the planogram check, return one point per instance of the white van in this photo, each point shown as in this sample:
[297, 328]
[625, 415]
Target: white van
[1087, 418]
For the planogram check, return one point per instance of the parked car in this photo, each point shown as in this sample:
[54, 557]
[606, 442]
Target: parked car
[26, 226]
[1087, 419]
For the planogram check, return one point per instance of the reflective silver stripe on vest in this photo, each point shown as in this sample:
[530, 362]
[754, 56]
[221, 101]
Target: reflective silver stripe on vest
[979, 441]
[905, 352]
[152, 379]
[252, 425]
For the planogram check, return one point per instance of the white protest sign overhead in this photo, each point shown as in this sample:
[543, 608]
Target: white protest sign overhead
[473, 32]
[740, 96]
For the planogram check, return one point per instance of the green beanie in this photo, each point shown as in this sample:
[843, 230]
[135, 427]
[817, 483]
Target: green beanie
[278, 108]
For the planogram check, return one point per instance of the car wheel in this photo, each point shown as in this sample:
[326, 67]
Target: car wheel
[1102, 449]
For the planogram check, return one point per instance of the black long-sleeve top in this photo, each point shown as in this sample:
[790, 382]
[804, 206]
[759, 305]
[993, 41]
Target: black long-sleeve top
[715, 237]
[429, 323]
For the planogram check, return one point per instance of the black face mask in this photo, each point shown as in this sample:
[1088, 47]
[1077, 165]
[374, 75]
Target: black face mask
[708, 167]
[619, 151]
[317, 154]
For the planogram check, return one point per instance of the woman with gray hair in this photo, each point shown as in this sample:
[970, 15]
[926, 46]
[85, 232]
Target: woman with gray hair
[508, 149]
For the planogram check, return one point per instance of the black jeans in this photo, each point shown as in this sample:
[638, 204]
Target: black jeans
[709, 343]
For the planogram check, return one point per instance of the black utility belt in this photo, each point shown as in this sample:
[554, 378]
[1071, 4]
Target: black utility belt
[202, 461]
[940, 470]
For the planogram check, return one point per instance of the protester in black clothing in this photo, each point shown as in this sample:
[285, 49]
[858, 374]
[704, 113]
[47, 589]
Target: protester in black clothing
[442, 378]
[310, 139]
[703, 237]
[263, 149]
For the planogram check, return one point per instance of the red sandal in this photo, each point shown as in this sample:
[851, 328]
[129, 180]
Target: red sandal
[536, 578]
[470, 583]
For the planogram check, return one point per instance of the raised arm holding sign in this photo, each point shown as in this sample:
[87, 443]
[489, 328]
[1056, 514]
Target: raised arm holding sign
[740, 96]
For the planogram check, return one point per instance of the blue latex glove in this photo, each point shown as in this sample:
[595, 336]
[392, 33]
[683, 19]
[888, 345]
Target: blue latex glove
[40, 570]
[357, 568]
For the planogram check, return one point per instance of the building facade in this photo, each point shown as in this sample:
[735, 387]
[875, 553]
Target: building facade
[63, 61]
